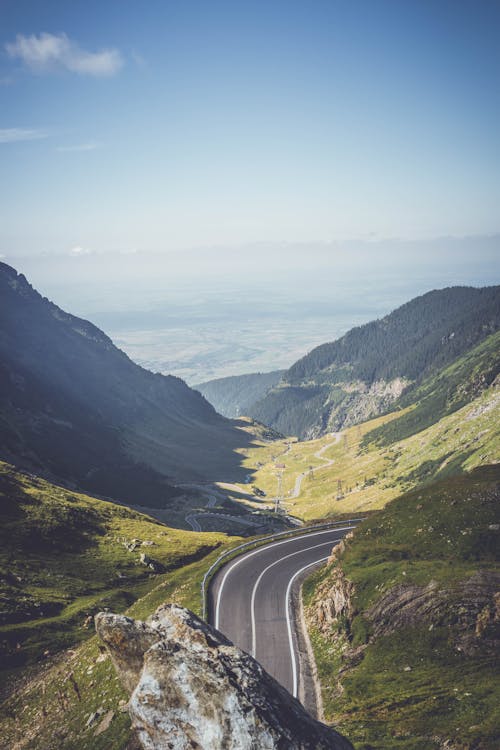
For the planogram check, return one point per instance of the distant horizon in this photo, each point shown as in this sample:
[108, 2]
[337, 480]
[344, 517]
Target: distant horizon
[258, 311]
[222, 186]
[224, 123]
[77, 251]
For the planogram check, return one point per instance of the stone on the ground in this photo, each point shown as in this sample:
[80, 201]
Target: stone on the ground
[192, 688]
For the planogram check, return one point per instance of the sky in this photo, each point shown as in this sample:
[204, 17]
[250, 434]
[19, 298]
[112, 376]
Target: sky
[162, 126]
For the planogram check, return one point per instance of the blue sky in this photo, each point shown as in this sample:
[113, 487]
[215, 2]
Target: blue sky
[165, 125]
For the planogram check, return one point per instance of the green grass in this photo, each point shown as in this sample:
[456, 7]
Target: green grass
[48, 714]
[63, 558]
[373, 474]
[64, 549]
[413, 689]
[444, 393]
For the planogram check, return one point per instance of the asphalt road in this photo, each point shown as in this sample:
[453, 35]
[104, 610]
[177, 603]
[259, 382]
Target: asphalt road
[249, 600]
[192, 519]
[328, 462]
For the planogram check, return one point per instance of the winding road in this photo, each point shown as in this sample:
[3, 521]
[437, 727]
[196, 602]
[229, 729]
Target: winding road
[318, 454]
[213, 497]
[250, 601]
[192, 519]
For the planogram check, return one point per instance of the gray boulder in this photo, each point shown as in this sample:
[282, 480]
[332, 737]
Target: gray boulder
[191, 688]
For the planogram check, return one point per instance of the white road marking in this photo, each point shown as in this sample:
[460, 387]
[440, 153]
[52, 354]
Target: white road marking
[256, 584]
[295, 688]
[191, 520]
[256, 552]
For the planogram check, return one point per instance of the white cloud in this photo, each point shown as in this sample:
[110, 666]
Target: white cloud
[78, 251]
[91, 146]
[51, 52]
[11, 135]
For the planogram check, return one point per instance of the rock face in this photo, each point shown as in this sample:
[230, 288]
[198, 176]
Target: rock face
[334, 600]
[191, 688]
[334, 596]
[472, 607]
[366, 400]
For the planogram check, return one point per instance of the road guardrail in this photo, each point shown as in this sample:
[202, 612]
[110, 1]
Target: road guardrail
[257, 543]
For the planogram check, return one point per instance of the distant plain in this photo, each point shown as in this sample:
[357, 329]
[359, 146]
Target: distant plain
[214, 312]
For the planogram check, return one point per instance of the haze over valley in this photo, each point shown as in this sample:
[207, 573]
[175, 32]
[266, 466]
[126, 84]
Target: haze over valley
[215, 312]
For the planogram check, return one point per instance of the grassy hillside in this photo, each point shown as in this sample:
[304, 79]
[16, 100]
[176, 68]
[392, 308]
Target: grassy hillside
[65, 556]
[63, 703]
[444, 392]
[451, 426]
[403, 621]
[372, 474]
[361, 374]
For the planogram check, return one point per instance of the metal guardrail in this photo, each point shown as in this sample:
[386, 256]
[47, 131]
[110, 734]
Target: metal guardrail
[257, 543]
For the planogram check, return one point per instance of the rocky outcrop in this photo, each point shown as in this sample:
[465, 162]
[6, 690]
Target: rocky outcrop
[364, 401]
[191, 688]
[472, 608]
[333, 600]
[149, 562]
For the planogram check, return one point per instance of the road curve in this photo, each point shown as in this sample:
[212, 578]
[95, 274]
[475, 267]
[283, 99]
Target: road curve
[249, 600]
[328, 462]
[192, 519]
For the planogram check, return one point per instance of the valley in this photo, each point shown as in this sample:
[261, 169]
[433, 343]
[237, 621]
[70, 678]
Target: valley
[249, 375]
[156, 485]
[372, 475]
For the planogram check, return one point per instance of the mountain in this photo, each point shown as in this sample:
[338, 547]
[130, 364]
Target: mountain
[233, 396]
[368, 370]
[443, 393]
[453, 428]
[75, 407]
[404, 620]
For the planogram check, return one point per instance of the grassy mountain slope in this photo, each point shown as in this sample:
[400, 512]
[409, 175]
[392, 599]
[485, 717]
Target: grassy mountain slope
[233, 396]
[437, 436]
[404, 621]
[62, 703]
[65, 556]
[75, 407]
[445, 392]
[366, 371]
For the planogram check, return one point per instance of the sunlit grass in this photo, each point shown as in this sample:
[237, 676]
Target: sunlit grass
[371, 476]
